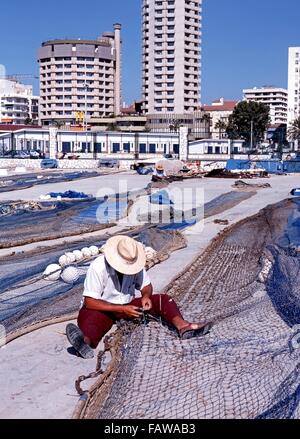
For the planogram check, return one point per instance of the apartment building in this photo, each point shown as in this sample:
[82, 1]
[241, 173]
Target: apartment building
[293, 84]
[17, 103]
[171, 122]
[171, 56]
[275, 98]
[80, 79]
[219, 112]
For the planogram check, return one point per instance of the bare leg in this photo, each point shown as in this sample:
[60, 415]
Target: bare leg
[180, 324]
[165, 306]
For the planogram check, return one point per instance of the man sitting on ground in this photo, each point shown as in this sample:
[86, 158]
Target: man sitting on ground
[109, 295]
[159, 173]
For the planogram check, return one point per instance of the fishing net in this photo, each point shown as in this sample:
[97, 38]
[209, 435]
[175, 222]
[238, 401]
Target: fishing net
[25, 181]
[247, 366]
[27, 299]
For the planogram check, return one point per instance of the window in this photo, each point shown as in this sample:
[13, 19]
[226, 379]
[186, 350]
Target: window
[142, 148]
[175, 148]
[116, 147]
[98, 147]
[152, 148]
[66, 147]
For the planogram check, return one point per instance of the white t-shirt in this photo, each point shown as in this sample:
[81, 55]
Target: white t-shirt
[159, 173]
[102, 282]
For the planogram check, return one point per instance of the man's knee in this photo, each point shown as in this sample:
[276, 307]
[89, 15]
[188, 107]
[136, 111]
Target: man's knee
[162, 300]
[165, 298]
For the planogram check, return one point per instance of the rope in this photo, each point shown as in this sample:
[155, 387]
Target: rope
[39, 325]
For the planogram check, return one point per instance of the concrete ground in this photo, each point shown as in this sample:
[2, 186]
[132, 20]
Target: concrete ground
[37, 372]
[96, 186]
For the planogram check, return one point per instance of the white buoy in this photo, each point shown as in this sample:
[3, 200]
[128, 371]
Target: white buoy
[150, 252]
[63, 261]
[86, 252]
[78, 255]
[70, 275]
[71, 257]
[94, 250]
[52, 272]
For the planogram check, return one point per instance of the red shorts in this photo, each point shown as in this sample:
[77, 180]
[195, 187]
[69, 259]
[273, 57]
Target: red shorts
[95, 324]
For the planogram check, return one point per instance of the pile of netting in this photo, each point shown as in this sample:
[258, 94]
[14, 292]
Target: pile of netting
[25, 181]
[28, 301]
[247, 367]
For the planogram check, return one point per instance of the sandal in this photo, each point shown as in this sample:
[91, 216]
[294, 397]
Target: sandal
[76, 339]
[187, 332]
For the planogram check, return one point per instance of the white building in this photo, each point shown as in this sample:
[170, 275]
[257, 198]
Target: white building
[17, 102]
[87, 145]
[80, 79]
[219, 111]
[214, 149]
[172, 56]
[275, 98]
[121, 146]
[293, 84]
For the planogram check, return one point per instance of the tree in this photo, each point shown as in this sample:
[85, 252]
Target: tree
[221, 126]
[206, 119]
[58, 123]
[249, 118]
[112, 127]
[28, 121]
[294, 130]
[175, 125]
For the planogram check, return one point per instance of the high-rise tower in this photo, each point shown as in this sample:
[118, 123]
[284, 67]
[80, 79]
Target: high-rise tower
[172, 55]
[293, 84]
[80, 76]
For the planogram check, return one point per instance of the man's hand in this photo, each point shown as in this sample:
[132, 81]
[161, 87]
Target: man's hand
[146, 303]
[132, 311]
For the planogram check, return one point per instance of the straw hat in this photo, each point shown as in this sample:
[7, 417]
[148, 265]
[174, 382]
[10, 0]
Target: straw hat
[125, 255]
[159, 166]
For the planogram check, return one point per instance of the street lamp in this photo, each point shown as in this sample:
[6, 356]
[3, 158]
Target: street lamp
[86, 88]
[251, 141]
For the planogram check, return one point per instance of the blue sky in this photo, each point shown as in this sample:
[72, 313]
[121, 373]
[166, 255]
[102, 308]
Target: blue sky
[245, 42]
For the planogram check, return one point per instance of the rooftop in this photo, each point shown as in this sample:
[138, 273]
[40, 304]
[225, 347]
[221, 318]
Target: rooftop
[220, 105]
[98, 41]
[4, 128]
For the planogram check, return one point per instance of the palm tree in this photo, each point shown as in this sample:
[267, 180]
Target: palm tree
[206, 118]
[221, 126]
[294, 130]
[28, 121]
[175, 125]
[58, 123]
